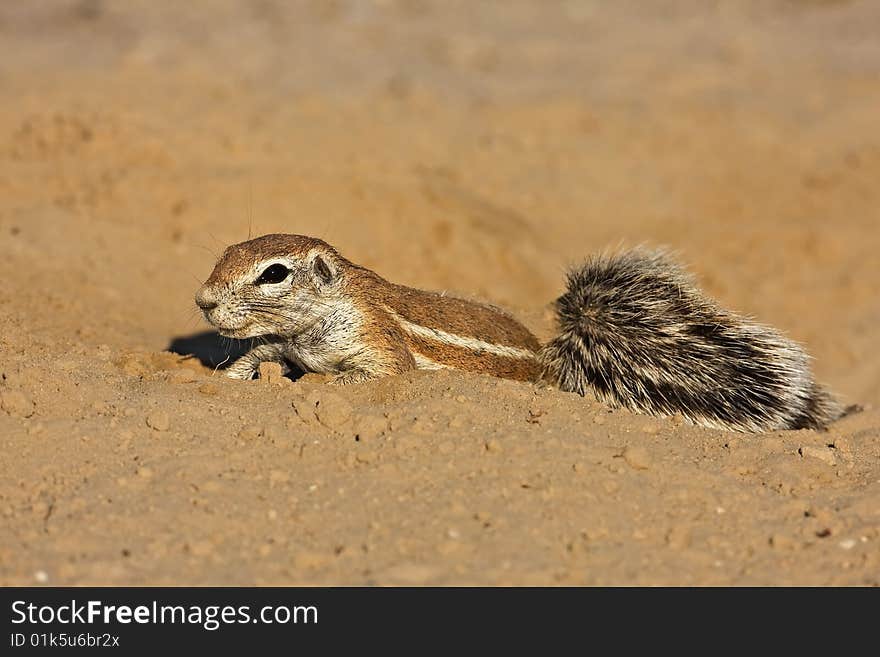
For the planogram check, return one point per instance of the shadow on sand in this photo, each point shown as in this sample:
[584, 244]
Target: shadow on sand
[214, 351]
[211, 348]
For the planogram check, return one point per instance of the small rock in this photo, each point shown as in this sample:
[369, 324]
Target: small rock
[821, 453]
[36, 429]
[271, 372]
[159, 421]
[41, 577]
[457, 422]
[651, 428]
[781, 542]
[250, 432]
[144, 472]
[535, 415]
[848, 543]
[637, 457]
[492, 445]
[366, 457]
[16, 403]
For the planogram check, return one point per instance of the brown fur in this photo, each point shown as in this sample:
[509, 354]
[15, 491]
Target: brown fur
[461, 358]
[240, 257]
[386, 340]
[461, 317]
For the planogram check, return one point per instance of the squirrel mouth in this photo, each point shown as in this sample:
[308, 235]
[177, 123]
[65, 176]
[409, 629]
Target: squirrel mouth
[238, 333]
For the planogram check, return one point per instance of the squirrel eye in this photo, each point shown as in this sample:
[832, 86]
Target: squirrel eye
[273, 274]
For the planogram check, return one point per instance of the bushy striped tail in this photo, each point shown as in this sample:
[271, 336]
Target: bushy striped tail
[636, 330]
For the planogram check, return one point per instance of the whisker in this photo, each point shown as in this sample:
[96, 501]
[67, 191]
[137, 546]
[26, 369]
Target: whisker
[220, 364]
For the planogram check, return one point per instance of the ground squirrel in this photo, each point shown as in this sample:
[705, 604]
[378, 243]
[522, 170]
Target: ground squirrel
[633, 328]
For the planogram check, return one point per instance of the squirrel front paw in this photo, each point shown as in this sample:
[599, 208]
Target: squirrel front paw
[243, 371]
[352, 376]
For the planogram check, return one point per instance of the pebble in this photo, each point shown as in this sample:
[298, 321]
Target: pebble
[848, 544]
[483, 516]
[250, 432]
[16, 403]
[492, 445]
[41, 577]
[457, 422]
[366, 457]
[651, 428]
[159, 421]
[821, 453]
[271, 372]
[637, 457]
[781, 542]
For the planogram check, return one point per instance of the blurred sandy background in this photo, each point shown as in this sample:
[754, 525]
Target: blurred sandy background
[479, 147]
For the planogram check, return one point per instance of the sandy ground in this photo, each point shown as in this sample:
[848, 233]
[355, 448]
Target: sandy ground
[475, 147]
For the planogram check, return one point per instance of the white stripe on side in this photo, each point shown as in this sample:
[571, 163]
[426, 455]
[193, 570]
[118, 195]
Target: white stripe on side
[472, 344]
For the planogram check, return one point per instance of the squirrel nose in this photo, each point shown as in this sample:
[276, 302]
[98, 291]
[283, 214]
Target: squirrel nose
[205, 301]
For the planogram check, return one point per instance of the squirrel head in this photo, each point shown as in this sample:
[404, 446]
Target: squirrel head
[272, 285]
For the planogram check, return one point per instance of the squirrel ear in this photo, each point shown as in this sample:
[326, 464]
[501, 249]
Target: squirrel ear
[323, 272]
